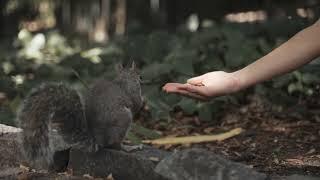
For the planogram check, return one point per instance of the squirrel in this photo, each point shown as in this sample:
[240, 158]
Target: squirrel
[54, 118]
[110, 106]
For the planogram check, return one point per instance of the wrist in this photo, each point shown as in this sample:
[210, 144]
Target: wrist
[239, 80]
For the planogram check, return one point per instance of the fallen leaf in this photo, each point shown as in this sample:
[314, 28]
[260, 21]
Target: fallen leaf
[24, 168]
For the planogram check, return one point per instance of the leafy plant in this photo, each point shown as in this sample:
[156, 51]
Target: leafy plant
[161, 56]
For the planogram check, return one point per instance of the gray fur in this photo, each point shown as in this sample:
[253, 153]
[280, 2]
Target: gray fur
[52, 119]
[110, 106]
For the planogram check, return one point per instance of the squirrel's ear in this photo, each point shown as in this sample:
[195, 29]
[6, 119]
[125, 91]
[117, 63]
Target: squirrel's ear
[133, 66]
[119, 67]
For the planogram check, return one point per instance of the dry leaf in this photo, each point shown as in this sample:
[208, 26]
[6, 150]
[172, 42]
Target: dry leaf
[24, 168]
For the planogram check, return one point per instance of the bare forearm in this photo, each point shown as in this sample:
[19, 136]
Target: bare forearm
[297, 51]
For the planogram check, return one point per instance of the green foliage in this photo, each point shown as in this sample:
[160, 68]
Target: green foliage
[137, 133]
[161, 56]
[6, 116]
[49, 48]
[144, 132]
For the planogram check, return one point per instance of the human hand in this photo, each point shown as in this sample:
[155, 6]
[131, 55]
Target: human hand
[206, 86]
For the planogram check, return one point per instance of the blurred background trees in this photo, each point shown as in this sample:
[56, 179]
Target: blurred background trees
[99, 18]
[76, 41]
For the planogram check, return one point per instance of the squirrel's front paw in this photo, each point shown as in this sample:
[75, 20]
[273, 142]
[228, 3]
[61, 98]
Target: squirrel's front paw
[130, 148]
[93, 148]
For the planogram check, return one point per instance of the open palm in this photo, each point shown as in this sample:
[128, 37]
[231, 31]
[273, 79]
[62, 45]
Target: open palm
[206, 86]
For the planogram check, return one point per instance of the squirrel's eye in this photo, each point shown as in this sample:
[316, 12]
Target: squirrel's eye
[140, 78]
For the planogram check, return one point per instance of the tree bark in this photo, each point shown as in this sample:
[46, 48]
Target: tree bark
[120, 17]
[101, 29]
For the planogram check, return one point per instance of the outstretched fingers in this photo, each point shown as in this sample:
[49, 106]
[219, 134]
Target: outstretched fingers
[183, 89]
[200, 90]
[191, 95]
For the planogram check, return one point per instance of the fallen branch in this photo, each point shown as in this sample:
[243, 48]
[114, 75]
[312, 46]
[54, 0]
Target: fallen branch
[312, 161]
[194, 139]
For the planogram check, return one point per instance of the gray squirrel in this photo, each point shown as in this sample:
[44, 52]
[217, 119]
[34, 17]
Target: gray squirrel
[53, 117]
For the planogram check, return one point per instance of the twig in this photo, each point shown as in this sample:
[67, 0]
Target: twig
[78, 76]
[195, 139]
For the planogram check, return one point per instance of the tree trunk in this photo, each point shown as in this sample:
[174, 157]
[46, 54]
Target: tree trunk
[100, 33]
[120, 17]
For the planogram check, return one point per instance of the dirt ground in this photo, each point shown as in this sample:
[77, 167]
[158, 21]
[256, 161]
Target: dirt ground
[276, 142]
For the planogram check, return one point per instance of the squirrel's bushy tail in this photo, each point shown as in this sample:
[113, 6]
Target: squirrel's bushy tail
[52, 119]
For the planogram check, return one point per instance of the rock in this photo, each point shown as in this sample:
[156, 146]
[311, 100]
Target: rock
[18, 173]
[198, 164]
[4, 129]
[122, 165]
[10, 172]
[136, 165]
[151, 153]
[300, 177]
[10, 155]
[47, 176]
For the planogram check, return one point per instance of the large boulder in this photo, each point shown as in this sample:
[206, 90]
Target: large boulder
[300, 177]
[122, 165]
[9, 150]
[204, 165]
[145, 163]
[10, 155]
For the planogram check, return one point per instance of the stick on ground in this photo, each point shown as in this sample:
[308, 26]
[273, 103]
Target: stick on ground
[195, 139]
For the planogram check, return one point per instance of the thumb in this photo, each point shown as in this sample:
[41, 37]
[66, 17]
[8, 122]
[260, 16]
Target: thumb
[196, 80]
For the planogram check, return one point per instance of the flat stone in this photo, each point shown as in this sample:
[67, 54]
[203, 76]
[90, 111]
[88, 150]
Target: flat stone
[4, 129]
[151, 153]
[198, 164]
[10, 155]
[122, 165]
[10, 172]
[47, 176]
[301, 177]
[9, 149]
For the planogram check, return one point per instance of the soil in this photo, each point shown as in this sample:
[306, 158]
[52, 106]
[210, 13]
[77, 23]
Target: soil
[275, 141]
